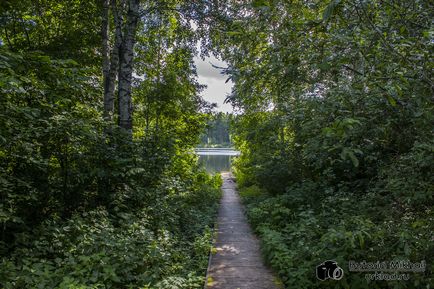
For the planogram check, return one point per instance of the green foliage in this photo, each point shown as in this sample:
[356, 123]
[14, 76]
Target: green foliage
[296, 238]
[409, 177]
[98, 249]
[251, 192]
[217, 132]
[82, 205]
[61, 29]
[336, 132]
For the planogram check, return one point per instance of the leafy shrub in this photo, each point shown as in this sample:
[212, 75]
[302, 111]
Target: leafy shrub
[410, 177]
[97, 249]
[250, 192]
[314, 233]
[83, 205]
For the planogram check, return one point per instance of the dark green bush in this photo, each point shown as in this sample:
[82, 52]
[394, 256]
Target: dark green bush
[83, 205]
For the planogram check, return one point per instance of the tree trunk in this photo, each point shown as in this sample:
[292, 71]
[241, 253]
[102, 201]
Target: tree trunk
[105, 28]
[126, 66]
[111, 67]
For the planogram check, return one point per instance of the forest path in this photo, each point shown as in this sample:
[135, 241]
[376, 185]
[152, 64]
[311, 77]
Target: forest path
[237, 262]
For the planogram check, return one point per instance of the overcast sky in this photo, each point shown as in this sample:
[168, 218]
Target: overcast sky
[217, 89]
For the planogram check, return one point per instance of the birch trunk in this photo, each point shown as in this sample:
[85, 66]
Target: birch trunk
[105, 28]
[111, 67]
[126, 66]
[114, 57]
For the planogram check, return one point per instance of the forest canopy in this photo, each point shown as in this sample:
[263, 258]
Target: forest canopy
[100, 109]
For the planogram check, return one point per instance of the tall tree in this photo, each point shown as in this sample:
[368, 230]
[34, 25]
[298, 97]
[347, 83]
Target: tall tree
[105, 29]
[126, 66]
[118, 63]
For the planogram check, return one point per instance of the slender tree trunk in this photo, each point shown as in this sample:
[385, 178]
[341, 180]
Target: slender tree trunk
[114, 56]
[126, 66]
[105, 28]
[110, 64]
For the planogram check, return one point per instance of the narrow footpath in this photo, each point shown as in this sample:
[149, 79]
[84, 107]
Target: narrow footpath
[237, 262]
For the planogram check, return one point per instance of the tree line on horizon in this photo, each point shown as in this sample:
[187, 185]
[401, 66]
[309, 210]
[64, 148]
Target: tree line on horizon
[217, 131]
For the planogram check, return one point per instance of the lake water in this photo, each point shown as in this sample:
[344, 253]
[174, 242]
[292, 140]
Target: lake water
[216, 160]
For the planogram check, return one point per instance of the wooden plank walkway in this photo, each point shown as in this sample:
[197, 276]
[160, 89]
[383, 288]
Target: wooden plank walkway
[237, 263]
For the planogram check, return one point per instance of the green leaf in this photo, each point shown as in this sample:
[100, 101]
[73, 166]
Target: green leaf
[233, 33]
[330, 9]
[353, 158]
[260, 3]
[391, 100]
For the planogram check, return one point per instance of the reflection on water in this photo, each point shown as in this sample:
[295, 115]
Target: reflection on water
[216, 161]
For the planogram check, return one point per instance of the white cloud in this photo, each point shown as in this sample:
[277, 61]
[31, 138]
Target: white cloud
[205, 68]
[217, 89]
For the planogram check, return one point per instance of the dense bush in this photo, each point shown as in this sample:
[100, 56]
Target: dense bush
[355, 188]
[83, 205]
[335, 129]
[297, 237]
[99, 113]
[98, 249]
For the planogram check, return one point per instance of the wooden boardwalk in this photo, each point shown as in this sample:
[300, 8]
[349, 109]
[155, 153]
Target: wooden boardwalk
[237, 263]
